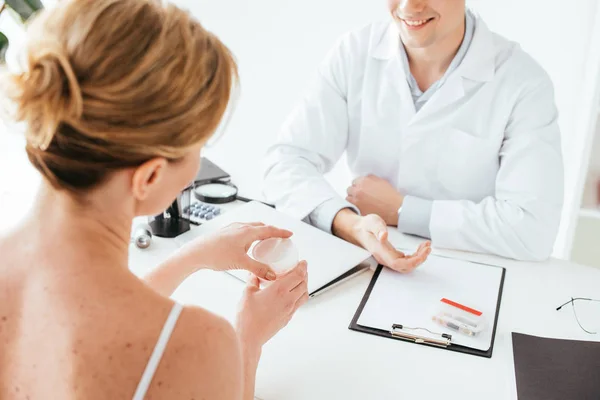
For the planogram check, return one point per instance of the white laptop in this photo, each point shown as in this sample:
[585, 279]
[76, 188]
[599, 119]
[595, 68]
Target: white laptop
[330, 259]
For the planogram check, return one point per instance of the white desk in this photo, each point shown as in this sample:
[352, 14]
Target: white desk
[317, 357]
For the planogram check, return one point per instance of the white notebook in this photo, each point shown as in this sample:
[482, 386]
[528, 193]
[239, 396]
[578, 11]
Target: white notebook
[412, 299]
[328, 257]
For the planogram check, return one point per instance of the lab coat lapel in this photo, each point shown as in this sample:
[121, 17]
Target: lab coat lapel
[397, 97]
[478, 65]
[396, 75]
[451, 91]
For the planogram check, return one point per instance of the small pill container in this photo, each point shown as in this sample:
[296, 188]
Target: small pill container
[279, 254]
[460, 318]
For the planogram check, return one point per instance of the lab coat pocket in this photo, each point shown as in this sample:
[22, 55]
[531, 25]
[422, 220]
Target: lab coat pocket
[467, 165]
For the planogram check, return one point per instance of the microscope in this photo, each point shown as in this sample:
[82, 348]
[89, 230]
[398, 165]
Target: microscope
[172, 222]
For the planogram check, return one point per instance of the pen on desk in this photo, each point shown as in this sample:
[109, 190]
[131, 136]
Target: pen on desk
[247, 200]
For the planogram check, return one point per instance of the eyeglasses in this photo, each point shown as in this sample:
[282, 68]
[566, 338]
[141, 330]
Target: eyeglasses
[587, 313]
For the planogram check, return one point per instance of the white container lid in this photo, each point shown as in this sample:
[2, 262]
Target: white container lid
[279, 254]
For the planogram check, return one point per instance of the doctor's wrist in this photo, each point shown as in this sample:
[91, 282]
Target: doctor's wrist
[392, 212]
[344, 225]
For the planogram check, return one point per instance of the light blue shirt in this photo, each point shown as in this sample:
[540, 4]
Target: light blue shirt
[420, 97]
[415, 213]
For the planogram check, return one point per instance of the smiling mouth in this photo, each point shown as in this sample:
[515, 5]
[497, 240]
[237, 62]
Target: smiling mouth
[416, 23]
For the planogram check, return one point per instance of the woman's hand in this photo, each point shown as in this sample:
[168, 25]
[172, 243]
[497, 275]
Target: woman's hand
[263, 312]
[227, 249]
[224, 250]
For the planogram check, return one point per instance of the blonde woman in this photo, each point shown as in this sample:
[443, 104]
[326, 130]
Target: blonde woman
[119, 96]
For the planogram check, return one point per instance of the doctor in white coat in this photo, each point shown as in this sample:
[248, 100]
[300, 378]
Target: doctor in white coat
[450, 130]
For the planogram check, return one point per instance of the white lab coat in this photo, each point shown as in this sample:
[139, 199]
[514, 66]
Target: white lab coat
[486, 147]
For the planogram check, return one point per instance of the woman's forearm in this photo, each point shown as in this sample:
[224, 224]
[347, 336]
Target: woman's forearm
[250, 357]
[250, 352]
[167, 277]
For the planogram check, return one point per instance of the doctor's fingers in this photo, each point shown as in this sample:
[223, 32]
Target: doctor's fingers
[358, 180]
[408, 264]
[423, 250]
[353, 200]
[423, 246]
[384, 252]
[352, 191]
[397, 260]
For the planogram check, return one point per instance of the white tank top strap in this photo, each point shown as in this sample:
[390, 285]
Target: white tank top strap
[157, 354]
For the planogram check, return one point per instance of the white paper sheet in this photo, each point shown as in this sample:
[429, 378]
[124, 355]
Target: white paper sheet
[412, 299]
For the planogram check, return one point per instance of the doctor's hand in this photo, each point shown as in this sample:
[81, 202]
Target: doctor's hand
[374, 195]
[370, 232]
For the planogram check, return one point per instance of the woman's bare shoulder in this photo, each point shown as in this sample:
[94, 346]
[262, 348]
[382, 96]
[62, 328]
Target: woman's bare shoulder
[202, 359]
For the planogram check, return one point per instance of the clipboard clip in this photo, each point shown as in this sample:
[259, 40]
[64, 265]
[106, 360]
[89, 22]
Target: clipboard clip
[439, 339]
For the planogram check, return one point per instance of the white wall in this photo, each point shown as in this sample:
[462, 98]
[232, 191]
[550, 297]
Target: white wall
[18, 180]
[279, 44]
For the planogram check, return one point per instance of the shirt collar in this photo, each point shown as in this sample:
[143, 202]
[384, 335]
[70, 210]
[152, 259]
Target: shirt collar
[460, 55]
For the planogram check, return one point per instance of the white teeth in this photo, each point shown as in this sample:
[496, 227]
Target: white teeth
[415, 23]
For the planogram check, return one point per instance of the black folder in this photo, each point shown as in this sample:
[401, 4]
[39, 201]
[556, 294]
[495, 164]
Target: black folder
[556, 369]
[452, 347]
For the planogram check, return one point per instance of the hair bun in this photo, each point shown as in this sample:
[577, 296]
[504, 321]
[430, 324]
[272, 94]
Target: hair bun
[49, 93]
